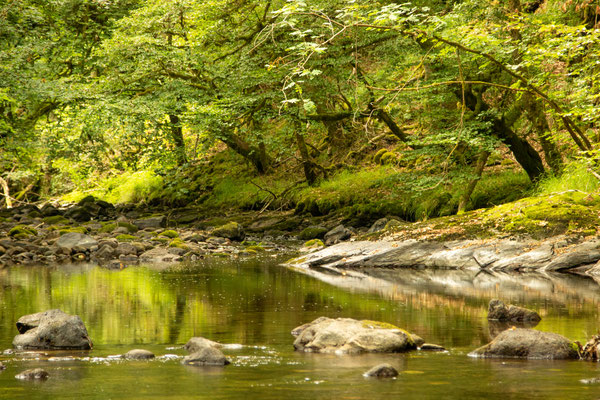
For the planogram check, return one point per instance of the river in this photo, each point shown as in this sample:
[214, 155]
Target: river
[253, 305]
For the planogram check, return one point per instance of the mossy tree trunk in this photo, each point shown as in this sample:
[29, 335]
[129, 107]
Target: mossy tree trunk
[479, 166]
[177, 136]
[256, 155]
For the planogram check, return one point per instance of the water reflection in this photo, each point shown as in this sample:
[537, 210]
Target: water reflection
[256, 303]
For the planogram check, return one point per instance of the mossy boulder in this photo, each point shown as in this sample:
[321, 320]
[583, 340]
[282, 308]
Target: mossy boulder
[313, 232]
[178, 243]
[349, 336]
[107, 228]
[55, 220]
[22, 232]
[171, 234]
[69, 229]
[255, 249]
[231, 230]
[125, 238]
[567, 212]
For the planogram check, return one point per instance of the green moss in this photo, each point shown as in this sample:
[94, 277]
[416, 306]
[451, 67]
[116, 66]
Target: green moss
[296, 261]
[162, 240]
[314, 243]
[23, 232]
[377, 324]
[249, 243]
[256, 249]
[178, 243]
[125, 238]
[377, 156]
[250, 252]
[313, 232]
[546, 215]
[107, 228]
[171, 234]
[78, 229]
[55, 220]
[388, 158]
[130, 227]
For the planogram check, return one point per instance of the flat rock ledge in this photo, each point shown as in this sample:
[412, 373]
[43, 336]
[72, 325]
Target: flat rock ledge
[52, 329]
[529, 344]
[560, 253]
[350, 336]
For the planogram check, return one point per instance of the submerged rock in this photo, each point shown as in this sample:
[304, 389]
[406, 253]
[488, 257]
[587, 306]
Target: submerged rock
[138, 354]
[206, 356]
[33, 374]
[498, 311]
[431, 347]
[346, 335]
[382, 371]
[52, 329]
[528, 343]
[198, 343]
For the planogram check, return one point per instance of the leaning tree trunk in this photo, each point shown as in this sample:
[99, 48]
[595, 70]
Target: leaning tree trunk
[307, 165]
[256, 155]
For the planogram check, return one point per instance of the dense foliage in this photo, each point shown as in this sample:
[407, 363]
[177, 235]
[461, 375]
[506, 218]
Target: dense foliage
[440, 92]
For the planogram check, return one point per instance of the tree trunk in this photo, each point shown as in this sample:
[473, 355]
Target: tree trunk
[256, 156]
[479, 166]
[524, 153]
[307, 165]
[541, 127]
[177, 136]
[6, 191]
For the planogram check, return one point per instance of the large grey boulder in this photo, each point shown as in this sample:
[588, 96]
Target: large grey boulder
[498, 311]
[528, 343]
[349, 336]
[206, 356]
[72, 240]
[196, 344]
[52, 329]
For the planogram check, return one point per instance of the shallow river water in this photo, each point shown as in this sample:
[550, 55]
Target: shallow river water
[254, 304]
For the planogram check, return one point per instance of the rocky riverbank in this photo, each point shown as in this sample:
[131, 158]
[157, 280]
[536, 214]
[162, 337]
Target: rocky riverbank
[98, 232]
[560, 253]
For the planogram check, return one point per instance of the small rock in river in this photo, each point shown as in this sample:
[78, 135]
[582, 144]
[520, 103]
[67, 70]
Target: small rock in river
[2, 367]
[138, 354]
[33, 374]
[206, 356]
[431, 347]
[382, 371]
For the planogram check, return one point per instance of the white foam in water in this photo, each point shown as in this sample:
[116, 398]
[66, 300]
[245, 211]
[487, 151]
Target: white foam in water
[233, 346]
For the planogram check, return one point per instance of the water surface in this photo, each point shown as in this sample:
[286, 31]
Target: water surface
[255, 304]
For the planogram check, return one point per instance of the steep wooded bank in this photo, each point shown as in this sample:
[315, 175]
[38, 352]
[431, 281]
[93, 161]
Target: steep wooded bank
[369, 108]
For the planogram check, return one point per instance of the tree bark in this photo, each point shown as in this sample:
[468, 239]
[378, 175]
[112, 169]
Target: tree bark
[6, 191]
[256, 156]
[177, 136]
[524, 153]
[307, 165]
[479, 166]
